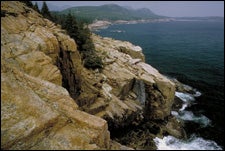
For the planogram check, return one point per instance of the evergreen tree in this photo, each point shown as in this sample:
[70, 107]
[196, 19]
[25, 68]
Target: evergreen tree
[71, 26]
[45, 11]
[81, 35]
[59, 19]
[36, 7]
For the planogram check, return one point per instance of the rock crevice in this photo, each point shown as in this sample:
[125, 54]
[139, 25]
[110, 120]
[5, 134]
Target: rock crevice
[36, 111]
[48, 96]
[70, 78]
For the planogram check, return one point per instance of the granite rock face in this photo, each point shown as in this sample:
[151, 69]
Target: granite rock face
[37, 114]
[47, 96]
[36, 46]
[137, 97]
[36, 111]
[129, 89]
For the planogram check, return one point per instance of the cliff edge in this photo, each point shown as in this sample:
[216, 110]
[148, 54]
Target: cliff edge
[50, 101]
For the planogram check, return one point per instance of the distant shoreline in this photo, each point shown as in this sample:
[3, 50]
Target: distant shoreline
[101, 24]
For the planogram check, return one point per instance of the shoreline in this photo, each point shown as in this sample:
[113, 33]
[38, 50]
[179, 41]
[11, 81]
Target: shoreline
[181, 107]
[102, 24]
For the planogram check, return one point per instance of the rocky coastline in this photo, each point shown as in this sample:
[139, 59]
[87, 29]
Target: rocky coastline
[101, 24]
[128, 96]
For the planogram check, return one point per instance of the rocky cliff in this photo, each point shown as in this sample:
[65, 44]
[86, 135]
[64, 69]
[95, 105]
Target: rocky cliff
[47, 96]
[37, 59]
[129, 84]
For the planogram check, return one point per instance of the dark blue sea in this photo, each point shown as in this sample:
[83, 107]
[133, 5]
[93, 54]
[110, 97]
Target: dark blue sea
[193, 53]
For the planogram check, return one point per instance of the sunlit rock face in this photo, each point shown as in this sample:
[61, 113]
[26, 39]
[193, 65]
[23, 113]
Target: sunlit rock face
[131, 88]
[46, 94]
[38, 46]
[36, 111]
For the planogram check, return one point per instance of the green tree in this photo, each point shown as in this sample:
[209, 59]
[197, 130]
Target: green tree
[36, 7]
[82, 35]
[45, 11]
[92, 61]
[71, 25]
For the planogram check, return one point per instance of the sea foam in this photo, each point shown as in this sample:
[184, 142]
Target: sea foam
[193, 143]
[185, 97]
[189, 116]
[184, 115]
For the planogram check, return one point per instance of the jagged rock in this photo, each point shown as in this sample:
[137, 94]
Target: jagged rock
[125, 47]
[135, 91]
[36, 111]
[174, 127]
[133, 51]
[129, 74]
[33, 34]
[38, 58]
[50, 120]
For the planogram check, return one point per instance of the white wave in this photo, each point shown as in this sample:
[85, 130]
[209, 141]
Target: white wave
[189, 116]
[185, 86]
[189, 88]
[185, 97]
[184, 106]
[193, 143]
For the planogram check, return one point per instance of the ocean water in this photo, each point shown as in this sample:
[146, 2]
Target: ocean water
[193, 53]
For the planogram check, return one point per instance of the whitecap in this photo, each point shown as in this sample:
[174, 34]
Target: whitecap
[193, 143]
[189, 116]
[185, 97]
[184, 106]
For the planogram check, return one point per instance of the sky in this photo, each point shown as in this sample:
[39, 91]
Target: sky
[165, 8]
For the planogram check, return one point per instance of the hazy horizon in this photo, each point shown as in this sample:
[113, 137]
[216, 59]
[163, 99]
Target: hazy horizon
[164, 8]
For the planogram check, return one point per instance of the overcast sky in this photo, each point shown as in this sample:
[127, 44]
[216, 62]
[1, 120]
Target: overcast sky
[166, 8]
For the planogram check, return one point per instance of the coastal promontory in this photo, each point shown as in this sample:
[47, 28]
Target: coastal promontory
[50, 101]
